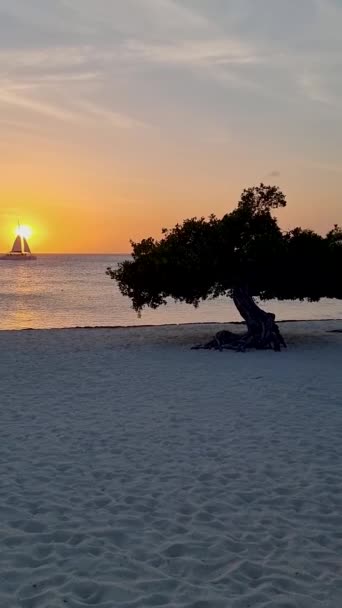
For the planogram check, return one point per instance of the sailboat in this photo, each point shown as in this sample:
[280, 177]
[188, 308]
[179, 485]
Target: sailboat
[20, 249]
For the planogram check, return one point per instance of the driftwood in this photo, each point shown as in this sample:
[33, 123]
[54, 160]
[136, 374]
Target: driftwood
[262, 330]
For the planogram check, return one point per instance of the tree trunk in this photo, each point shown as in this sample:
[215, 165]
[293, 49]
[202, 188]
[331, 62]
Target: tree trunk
[262, 331]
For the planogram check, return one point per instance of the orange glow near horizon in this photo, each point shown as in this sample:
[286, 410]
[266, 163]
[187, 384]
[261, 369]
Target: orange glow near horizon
[56, 228]
[89, 207]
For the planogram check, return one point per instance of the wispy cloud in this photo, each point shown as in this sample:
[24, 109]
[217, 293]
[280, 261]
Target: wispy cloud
[75, 110]
[316, 90]
[46, 59]
[109, 117]
[137, 15]
[58, 83]
[13, 99]
[193, 52]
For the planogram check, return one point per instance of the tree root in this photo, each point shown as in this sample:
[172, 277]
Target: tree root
[262, 331]
[227, 340]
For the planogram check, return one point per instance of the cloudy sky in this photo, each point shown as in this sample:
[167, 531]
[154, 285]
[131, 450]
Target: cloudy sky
[118, 117]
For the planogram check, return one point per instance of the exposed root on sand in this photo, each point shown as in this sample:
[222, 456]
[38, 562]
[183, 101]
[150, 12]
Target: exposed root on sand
[262, 331]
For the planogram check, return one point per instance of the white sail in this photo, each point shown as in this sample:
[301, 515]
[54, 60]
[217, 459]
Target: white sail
[20, 250]
[17, 245]
[26, 246]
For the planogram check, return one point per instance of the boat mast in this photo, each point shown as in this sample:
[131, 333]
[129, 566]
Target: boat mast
[21, 238]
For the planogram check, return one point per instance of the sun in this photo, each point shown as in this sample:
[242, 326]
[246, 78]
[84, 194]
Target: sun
[24, 231]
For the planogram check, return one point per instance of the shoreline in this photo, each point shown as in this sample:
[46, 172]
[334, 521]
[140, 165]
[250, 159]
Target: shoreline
[161, 325]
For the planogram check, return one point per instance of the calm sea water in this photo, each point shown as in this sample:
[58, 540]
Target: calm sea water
[73, 290]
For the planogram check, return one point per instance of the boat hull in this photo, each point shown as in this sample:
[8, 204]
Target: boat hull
[21, 257]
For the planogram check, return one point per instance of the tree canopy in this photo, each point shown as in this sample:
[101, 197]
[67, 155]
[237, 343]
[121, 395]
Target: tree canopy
[244, 250]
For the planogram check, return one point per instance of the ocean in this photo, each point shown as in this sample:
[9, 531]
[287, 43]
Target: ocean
[74, 291]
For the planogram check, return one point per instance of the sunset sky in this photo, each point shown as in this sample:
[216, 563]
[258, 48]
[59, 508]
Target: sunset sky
[119, 117]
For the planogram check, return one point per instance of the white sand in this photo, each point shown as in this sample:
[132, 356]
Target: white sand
[138, 473]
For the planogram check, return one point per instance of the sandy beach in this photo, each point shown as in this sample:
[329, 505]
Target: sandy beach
[138, 473]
